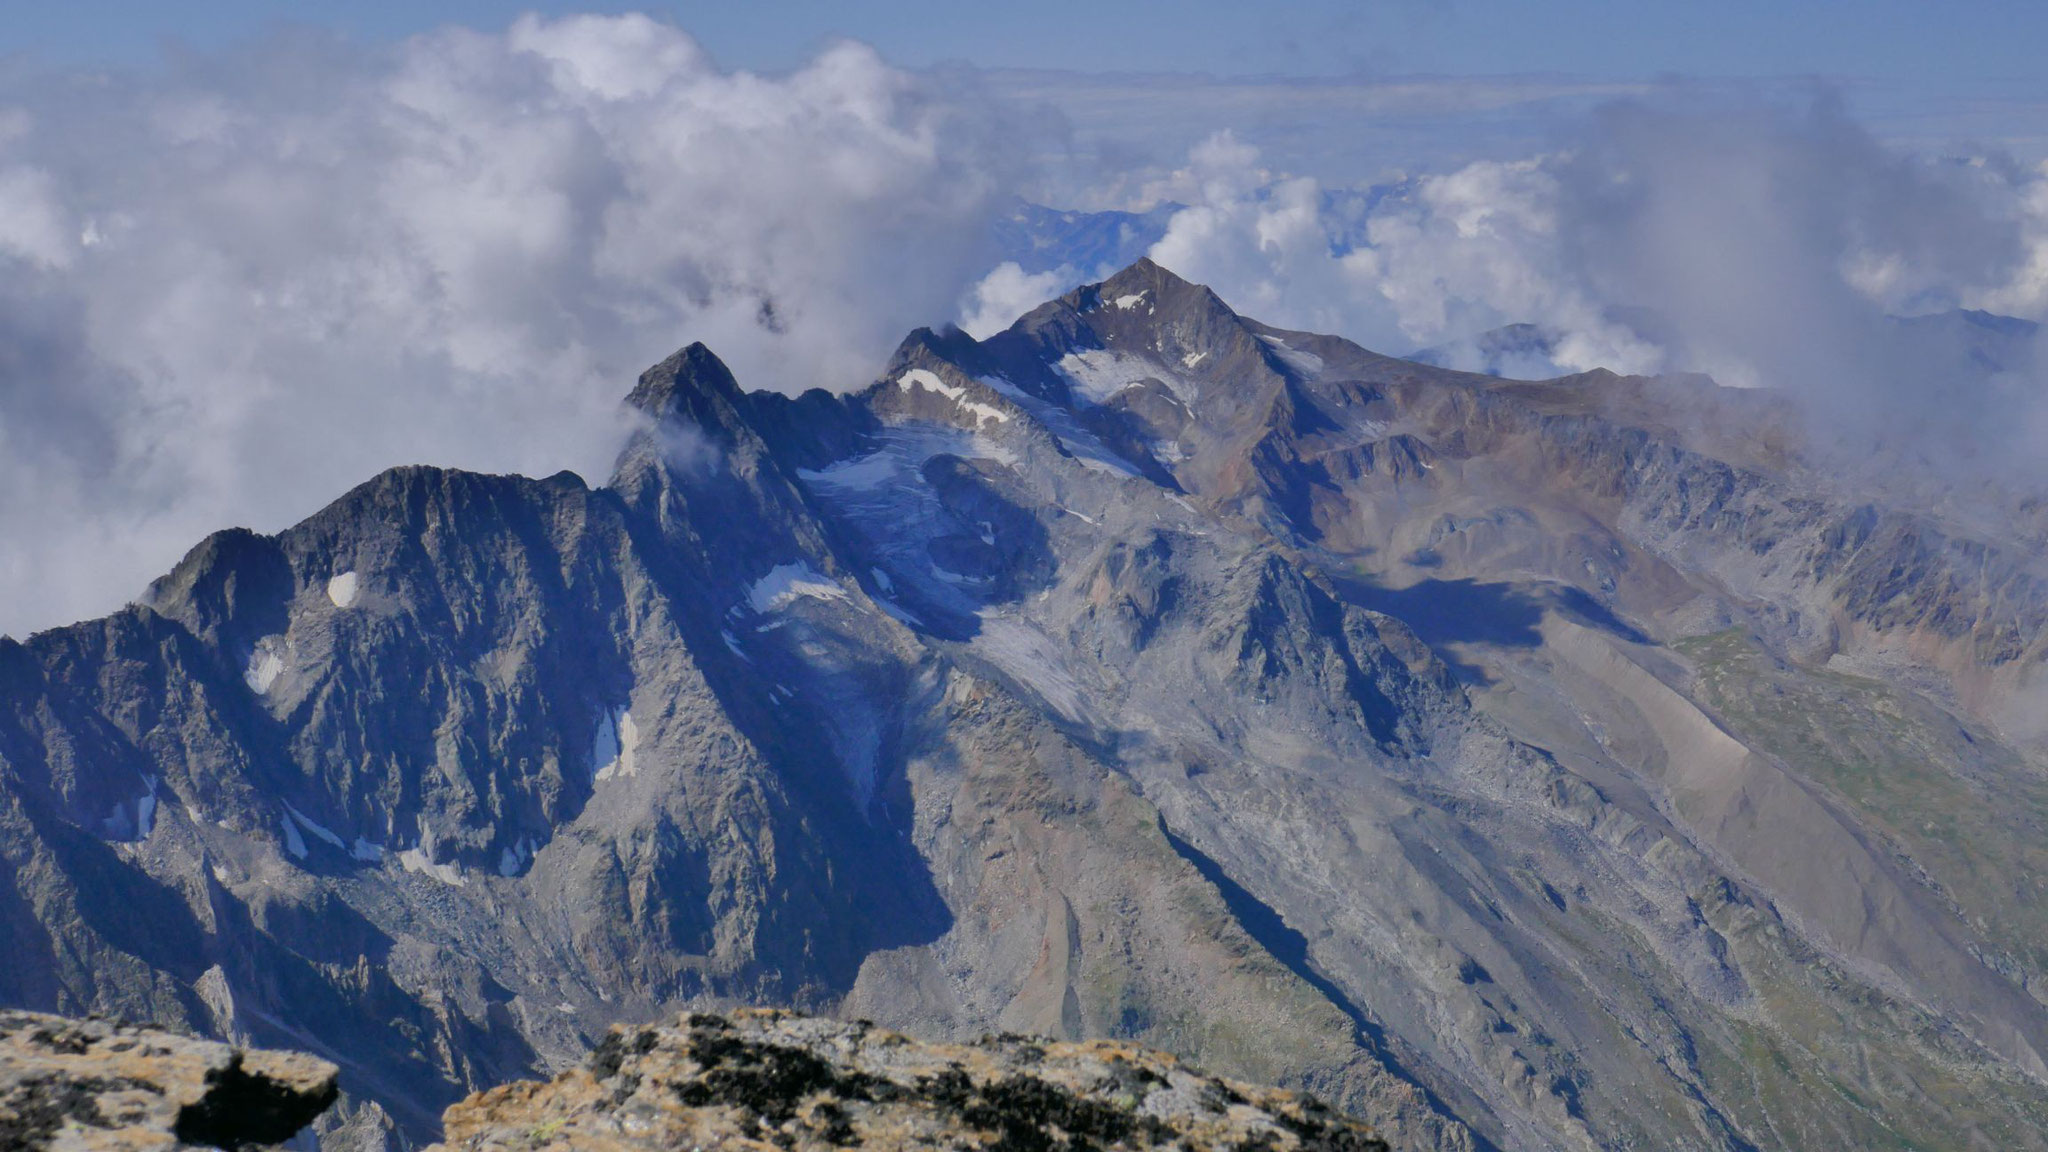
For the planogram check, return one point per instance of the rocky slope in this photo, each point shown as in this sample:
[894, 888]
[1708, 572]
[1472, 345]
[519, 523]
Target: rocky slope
[1489, 758]
[95, 1084]
[769, 1080]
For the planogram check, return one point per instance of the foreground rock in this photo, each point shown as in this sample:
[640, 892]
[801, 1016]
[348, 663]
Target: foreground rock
[772, 1080]
[89, 1084]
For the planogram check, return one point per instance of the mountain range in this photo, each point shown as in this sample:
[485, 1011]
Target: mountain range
[1518, 765]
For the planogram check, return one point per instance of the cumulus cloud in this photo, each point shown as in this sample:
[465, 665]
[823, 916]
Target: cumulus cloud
[1007, 292]
[229, 292]
[1427, 259]
[1765, 245]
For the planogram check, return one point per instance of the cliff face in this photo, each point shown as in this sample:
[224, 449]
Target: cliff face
[765, 1081]
[1546, 766]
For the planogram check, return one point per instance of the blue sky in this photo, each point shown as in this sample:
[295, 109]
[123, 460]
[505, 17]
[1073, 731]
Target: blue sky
[1958, 45]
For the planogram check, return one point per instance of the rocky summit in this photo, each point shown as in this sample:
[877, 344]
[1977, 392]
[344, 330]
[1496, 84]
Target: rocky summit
[769, 1080]
[1567, 764]
[85, 1085]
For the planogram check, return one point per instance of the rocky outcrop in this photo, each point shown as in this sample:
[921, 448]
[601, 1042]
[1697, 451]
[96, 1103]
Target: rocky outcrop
[771, 1080]
[97, 1084]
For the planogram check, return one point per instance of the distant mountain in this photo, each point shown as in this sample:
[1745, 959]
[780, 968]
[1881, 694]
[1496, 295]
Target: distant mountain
[1936, 344]
[1041, 239]
[1515, 352]
[1531, 766]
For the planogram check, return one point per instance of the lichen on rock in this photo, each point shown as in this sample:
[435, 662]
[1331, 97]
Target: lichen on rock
[769, 1080]
[97, 1084]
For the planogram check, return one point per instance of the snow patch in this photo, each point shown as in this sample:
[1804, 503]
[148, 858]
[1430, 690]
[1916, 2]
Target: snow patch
[1027, 655]
[785, 582]
[882, 580]
[870, 471]
[1125, 303]
[1096, 374]
[367, 852]
[418, 861]
[293, 842]
[266, 664]
[1306, 363]
[145, 809]
[611, 753]
[1193, 358]
[733, 643]
[514, 858]
[314, 829]
[917, 378]
[1078, 442]
[1104, 463]
[898, 613]
[342, 589]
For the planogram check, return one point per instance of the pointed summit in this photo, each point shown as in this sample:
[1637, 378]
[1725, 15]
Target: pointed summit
[1155, 291]
[1144, 273]
[694, 384]
[697, 413]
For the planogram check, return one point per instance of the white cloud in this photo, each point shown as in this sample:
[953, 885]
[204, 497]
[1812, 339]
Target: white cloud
[1007, 292]
[2026, 292]
[1765, 246]
[229, 293]
[33, 226]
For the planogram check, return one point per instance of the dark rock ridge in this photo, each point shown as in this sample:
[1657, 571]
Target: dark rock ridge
[97, 1084]
[1550, 765]
[763, 1079]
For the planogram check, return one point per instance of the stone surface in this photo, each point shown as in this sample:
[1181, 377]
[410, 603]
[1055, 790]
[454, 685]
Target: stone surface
[96, 1084]
[770, 1080]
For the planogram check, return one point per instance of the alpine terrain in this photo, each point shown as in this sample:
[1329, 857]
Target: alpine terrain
[1554, 765]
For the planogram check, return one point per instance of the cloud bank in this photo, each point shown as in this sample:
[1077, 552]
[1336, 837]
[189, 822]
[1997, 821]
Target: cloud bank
[1765, 245]
[231, 292]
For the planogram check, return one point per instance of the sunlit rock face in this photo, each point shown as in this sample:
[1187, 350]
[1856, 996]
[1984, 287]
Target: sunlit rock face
[763, 1078]
[102, 1086]
[1546, 765]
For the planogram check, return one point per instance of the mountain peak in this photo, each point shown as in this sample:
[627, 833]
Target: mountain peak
[1146, 276]
[697, 412]
[1148, 295]
[685, 385]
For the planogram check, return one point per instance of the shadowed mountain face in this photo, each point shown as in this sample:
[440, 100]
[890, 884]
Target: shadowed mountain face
[1547, 766]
